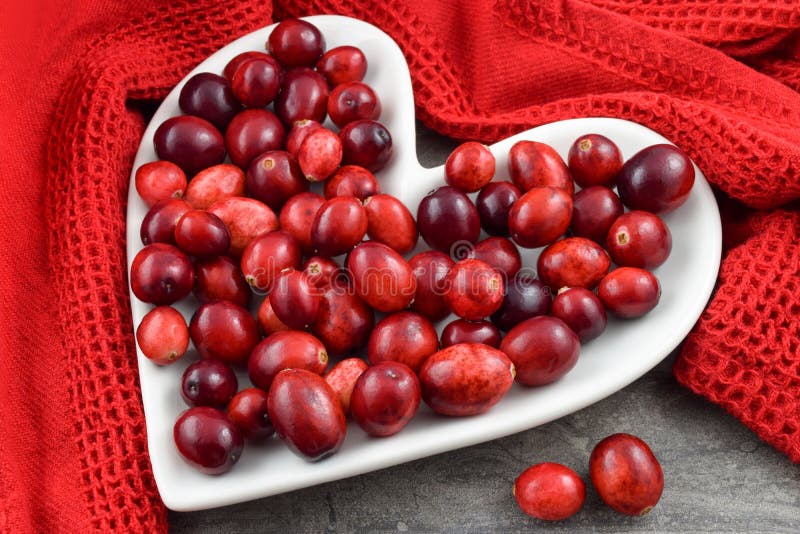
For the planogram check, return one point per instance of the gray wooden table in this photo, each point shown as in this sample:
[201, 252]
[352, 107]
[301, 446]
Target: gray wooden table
[719, 477]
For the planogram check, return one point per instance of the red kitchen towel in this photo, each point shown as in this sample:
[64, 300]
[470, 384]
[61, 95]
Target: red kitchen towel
[719, 78]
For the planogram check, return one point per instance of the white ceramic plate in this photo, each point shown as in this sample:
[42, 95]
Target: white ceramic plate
[623, 353]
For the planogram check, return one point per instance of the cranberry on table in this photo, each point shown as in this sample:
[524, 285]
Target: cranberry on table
[233, 64]
[158, 225]
[447, 217]
[381, 277]
[389, 222]
[209, 96]
[297, 218]
[657, 179]
[469, 167]
[248, 411]
[543, 350]
[246, 219]
[267, 320]
[274, 177]
[629, 292]
[532, 164]
[626, 474]
[161, 274]
[208, 383]
[573, 262]
[295, 300]
[298, 133]
[594, 210]
[540, 216]
[594, 160]
[385, 398]
[189, 142]
[463, 331]
[214, 184]
[159, 180]
[344, 321]
[304, 95]
[324, 272]
[549, 491]
[405, 337]
[430, 268]
[639, 239]
[352, 181]
[582, 311]
[343, 64]
[222, 330]
[202, 234]
[208, 440]
[342, 379]
[163, 336]
[339, 225]
[475, 289]
[266, 256]
[500, 253]
[366, 143]
[493, 203]
[220, 279]
[352, 101]
[253, 132]
[525, 297]
[285, 350]
[296, 43]
[320, 154]
[257, 81]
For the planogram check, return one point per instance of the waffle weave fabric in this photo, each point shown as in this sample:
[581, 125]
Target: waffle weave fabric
[719, 78]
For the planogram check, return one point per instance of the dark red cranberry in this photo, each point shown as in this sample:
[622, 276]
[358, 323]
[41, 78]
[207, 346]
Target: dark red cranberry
[657, 179]
[594, 210]
[257, 81]
[352, 181]
[381, 276]
[285, 350]
[189, 142]
[208, 383]
[163, 336]
[353, 101]
[295, 300]
[253, 132]
[339, 225]
[160, 180]
[549, 491]
[344, 321]
[405, 337]
[324, 272]
[209, 96]
[366, 143]
[525, 297]
[629, 292]
[296, 43]
[469, 167]
[274, 177]
[304, 95]
[430, 270]
[222, 330]
[542, 348]
[343, 64]
[158, 225]
[462, 331]
[208, 440]
[475, 289]
[639, 239]
[500, 253]
[540, 216]
[385, 398]
[297, 218]
[493, 203]
[532, 164]
[582, 311]
[161, 274]
[220, 279]
[446, 218]
[232, 65]
[202, 234]
[248, 411]
[266, 256]
[594, 160]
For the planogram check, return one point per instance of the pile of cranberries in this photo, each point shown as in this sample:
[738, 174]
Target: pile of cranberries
[252, 194]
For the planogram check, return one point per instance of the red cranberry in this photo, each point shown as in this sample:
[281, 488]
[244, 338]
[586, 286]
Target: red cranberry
[594, 160]
[298, 133]
[209, 96]
[208, 383]
[469, 167]
[532, 164]
[304, 95]
[214, 184]
[222, 330]
[366, 143]
[343, 64]
[320, 154]
[297, 217]
[285, 350]
[248, 411]
[159, 180]
[381, 277]
[549, 491]
[295, 300]
[352, 181]
[639, 239]
[461, 331]
[353, 101]
[493, 203]
[385, 398]
[267, 319]
[475, 289]
[163, 335]
[573, 262]
[594, 210]
[266, 256]
[202, 234]
[447, 218]
[220, 279]
[161, 274]
[339, 225]
[430, 269]
[525, 297]
[323, 272]
[253, 132]
[246, 219]
[233, 65]
[389, 222]
[405, 337]
[342, 379]
[626, 474]
[657, 179]
[158, 225]
[344, 321]
[189, 142]
[257, 81]
[629, 292]
[543, 350]
[500, 253]
[208, 440]
[540, 216]
[582, 311]
[274, 177]
[296, 43]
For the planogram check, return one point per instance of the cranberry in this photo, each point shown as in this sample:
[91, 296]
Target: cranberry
[257, 81]
[639, 239]
[248, 411]
[540, 216]
[582, 311]
[297, 218]
[158, 225]
[525, 297]
[214, 184]
[474, 289]
[658, 179]
[549, 491]
[323, 272]
[573, 262]
[339, 225]
[202, 234]
[225, 331]
[385, 398]
[320, 154]
[469, 167]
[253, 132]
[266, 256]
[274, 177]
[304, 95]
[208, 383]
[220, 279]
[342, 379]
[352, 181]
[344, 321]
[500, 253]
[543, 350]
[208, 440]
[461, 331]
[405, 337]
[246, 219]
[352, 101]
[626, 474]
[381, 276]
[629, 292]
[159, 180]
[366, 143]
[189, 142]
[343, 64]
[430, 269]
[295, 300]
[306, 414]
[493, 203]
[161, 274]
[447, 218]
[298, 133]
[285, 350]
[389, 222]
[296, 43]
[594, 210]
[594, 160]
[267, 319]
[163, 335]
[532, 164]
[209, 96]
[233, 65]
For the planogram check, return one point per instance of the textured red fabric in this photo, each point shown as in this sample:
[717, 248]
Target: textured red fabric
[717, 77]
